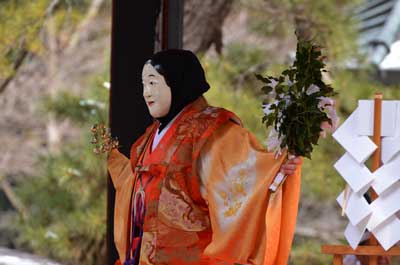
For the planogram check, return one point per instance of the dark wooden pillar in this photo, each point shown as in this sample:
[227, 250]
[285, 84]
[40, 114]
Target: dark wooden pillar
[172, 24]
[133, 36]
[133, 42]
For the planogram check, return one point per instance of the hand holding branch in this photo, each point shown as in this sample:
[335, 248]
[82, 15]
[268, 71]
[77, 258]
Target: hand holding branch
[291, 165]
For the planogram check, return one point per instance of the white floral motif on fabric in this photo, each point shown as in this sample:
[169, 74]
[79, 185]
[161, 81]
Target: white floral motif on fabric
[233, 194]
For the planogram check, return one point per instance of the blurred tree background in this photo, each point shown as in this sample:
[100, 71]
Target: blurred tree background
[54, 63]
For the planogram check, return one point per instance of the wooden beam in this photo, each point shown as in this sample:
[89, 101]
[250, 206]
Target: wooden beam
[361, 250]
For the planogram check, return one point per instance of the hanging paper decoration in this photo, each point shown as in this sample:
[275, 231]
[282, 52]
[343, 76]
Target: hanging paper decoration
[378, 217]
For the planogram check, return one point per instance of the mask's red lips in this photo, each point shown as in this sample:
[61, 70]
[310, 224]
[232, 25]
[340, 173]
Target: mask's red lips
[150, 103]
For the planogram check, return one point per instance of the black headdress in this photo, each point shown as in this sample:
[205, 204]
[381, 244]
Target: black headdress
[184, 75]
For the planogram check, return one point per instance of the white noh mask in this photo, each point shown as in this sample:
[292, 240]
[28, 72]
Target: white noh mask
[156, 92]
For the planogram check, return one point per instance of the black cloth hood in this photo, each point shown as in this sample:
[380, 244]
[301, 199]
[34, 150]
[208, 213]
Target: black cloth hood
[185, 76]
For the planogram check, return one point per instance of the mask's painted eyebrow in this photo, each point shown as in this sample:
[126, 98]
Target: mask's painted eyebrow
[150, 75]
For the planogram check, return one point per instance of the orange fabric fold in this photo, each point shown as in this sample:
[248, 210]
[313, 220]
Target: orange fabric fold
[121, 174]
[250, 225]
[281, 220]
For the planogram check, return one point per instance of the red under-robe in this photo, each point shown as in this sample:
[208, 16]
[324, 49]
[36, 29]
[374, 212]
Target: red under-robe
[208, 200]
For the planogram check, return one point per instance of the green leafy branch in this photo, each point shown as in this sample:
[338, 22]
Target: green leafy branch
[294, 107]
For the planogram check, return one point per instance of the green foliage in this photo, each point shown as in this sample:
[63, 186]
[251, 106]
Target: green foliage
[308, 252]
[330, 23]
[18, 27]
[320, 181]
[239, 60]
[360, 85]
[22, 27]
[67, 105]
[67, 197]
[236, 65]
[221, 94]
[59, 224]
[295, 111]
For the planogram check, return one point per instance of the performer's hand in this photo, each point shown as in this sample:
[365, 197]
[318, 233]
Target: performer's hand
[290, 166]
[325, 126]
[328, 105]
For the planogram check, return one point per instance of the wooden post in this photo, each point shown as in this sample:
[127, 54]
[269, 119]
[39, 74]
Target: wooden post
[376, 160]
[172, 24]
[337, 259]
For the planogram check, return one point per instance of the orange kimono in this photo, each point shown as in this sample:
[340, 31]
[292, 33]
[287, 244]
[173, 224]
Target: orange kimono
[207, 198]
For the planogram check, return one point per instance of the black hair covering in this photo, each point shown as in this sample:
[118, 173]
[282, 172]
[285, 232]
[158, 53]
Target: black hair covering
[185, 76]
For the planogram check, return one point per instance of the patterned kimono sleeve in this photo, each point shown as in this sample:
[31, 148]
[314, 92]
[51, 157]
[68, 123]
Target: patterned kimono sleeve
[119, 168]
[250, 225]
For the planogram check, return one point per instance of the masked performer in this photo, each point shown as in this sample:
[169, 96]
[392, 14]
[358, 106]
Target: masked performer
[195, 189]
